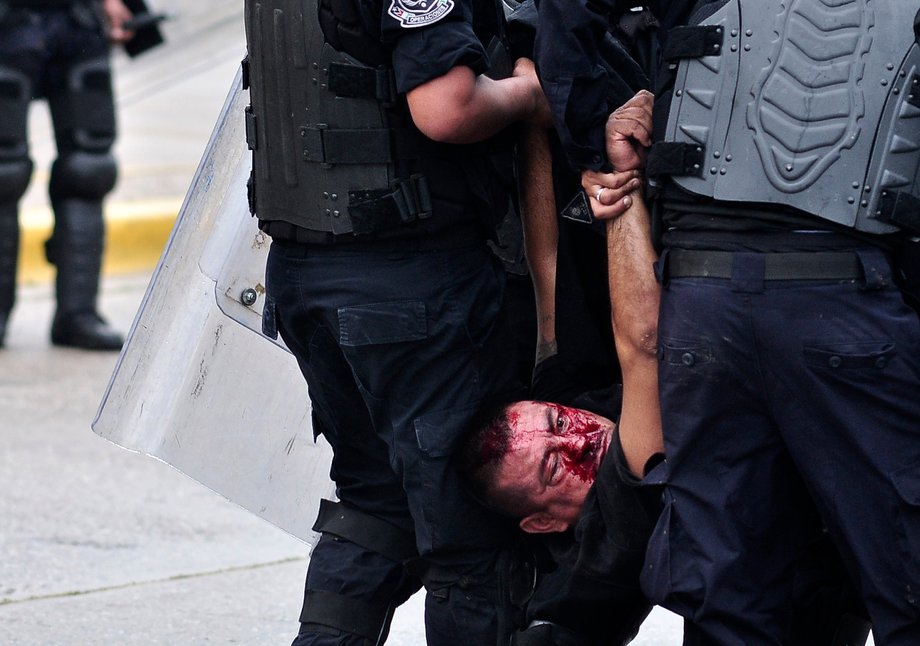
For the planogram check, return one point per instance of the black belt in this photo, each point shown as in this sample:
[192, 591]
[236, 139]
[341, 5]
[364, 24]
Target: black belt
[807, 265]
[457, 235]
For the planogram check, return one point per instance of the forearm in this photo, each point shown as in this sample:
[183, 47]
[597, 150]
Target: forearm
[461, 107]
[634, 297]
[541, 230]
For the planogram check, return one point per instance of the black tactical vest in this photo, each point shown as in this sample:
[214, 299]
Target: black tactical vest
[334, 148]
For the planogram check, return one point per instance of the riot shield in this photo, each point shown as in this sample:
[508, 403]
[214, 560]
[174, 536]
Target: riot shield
[197, 385]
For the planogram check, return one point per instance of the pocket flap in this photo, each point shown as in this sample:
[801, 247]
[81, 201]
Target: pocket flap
[377, 323]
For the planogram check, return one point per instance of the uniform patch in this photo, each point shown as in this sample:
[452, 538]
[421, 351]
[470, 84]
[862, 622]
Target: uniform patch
[418, 13]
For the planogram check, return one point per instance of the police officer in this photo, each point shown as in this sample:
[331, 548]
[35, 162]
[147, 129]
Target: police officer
[379, 169]
[789, 361]
[58, 49]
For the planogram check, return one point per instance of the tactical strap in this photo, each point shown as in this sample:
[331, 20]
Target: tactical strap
[900, 208]
[675, 158]
[14, 100]
[358, 145]
[693, 42]
[364, 530]
[244, 72]
[380, 209]
[359, 82]
[349, 615]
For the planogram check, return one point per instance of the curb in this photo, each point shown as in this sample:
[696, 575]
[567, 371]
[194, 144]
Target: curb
[136, 234]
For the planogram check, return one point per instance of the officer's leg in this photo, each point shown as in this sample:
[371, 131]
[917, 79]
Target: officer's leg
[356, 578]
[848, 378]
[827, 609]
[433, 320]
[85, 171]
[417, 332]
[736, 519]
[15, 171]
[357, 574]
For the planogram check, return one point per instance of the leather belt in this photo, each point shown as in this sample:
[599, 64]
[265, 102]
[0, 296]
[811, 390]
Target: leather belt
[808, 265]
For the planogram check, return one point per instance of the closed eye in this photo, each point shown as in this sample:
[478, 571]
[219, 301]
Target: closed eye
[555, 468]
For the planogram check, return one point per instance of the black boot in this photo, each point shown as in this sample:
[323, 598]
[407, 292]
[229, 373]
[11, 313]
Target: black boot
[76, 250]
[9, 253]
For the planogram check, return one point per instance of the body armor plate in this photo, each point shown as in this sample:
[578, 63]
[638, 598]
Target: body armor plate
[824, 90]
[298, 177]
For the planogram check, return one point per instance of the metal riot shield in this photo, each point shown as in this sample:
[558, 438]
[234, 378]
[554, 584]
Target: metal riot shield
[197, 385]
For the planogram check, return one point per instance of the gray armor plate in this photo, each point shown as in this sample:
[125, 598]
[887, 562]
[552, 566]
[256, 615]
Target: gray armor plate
[824, 93]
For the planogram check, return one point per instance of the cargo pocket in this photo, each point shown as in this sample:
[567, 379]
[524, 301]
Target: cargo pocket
[868, 355]
[907, 484]
[379, 323]
[446, 507]
[670, 576]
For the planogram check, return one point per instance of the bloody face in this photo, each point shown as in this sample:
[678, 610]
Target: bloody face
[553, 456]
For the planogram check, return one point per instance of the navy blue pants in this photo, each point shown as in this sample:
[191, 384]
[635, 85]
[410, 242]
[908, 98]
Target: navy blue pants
[775, 394]
[400, 349]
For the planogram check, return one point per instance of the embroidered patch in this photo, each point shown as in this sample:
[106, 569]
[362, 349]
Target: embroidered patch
[418, 13]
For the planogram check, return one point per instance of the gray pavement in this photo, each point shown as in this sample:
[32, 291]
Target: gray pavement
[101, 545]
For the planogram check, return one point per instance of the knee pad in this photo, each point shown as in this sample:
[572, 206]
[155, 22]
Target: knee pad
[15, 95]
[84, 111]
[14, 179]
[80, 174]
[351, 615]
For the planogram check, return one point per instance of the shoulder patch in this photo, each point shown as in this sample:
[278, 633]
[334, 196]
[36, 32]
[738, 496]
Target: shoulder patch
[419, 13]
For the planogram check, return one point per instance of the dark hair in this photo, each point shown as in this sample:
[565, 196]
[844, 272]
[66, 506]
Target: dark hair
[480, 457]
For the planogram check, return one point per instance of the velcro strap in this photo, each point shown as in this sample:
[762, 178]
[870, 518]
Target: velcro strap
[817, 265]
[693, 42]
[364, 530]
[900, 208]
[252, 139]
[379, 209]
[675, 158]
[358, 146]
[349, 615]
[359, 82]
[244, 72]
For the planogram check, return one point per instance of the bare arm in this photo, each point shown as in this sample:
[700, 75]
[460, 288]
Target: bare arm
[541, 231]
[461, 107]
[634, 298]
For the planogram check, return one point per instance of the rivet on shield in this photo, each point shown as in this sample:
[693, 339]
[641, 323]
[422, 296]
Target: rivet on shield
[248, 297]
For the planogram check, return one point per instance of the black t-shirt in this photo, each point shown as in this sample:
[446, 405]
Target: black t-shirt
[591, 585]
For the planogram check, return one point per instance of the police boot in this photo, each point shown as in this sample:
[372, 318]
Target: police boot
[9, 252]
[75, 249]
